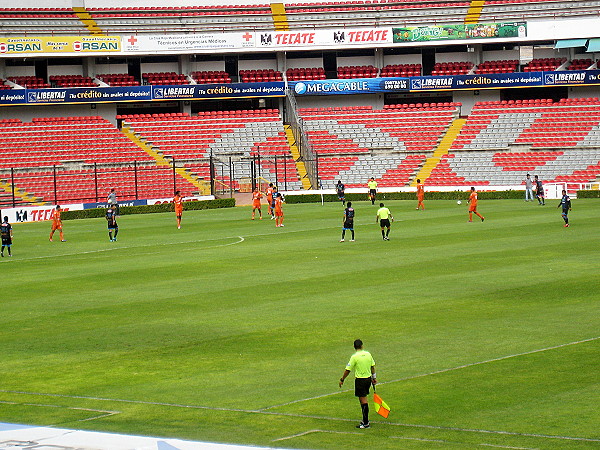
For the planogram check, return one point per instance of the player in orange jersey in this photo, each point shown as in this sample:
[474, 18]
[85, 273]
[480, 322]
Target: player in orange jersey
[420, 194]
[178, 202]
[279, 211]
[269, 193]
[473, 205]
[256, 196]
[57, 224]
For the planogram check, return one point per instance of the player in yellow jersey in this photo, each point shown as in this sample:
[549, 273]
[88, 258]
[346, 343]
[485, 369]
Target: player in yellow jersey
[383, 217]
[364, 372]
[372, 184]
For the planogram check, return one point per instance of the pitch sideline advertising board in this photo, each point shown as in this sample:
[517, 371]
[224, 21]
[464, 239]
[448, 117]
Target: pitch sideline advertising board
[35, 213]
[450, 82]
[140, 93]
[59, 44]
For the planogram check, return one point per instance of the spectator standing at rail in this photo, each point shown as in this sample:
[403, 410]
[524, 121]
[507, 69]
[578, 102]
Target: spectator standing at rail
[111, 199]
[528, 188]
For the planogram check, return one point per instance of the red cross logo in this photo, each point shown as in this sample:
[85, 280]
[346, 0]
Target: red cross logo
[247, 36]
[132, 40]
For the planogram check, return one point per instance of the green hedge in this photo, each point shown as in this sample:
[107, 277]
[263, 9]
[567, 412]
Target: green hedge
[452, 195]
[149, 209]
[588, 194]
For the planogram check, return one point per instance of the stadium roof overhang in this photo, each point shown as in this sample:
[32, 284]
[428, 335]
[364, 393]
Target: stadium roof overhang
[570, 43]
[593, 45]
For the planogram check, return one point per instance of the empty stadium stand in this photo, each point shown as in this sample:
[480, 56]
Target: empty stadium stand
[503, 66]
[211, 76]
[3, 85]
[30, 82]
[260, 75]
[158, 78]
[401, 70]
[580, 64]
[118, 79]
[241, 135]
[355, 143]
[452, 68]
[347, 72]
[302, 73]
[501, 141]
[541, 64]
[72, 81]
[62, 143]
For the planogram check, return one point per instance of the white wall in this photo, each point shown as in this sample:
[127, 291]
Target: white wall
[499, 55]
[214, 66]
[110, 68]
[304, 62]
[401, 59]
[20, 71]
[65, 70]
[159, 67]
[584, 92]
[355, 61]
[455, 57]
[258, 64]
[468, 98]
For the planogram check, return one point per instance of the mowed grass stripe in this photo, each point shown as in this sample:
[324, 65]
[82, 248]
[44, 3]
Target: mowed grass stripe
[140, 324]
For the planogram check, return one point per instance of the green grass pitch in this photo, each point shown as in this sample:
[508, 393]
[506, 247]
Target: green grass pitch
[231, 330]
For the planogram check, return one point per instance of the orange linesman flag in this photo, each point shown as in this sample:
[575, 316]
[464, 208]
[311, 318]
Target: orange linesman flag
[381, 407]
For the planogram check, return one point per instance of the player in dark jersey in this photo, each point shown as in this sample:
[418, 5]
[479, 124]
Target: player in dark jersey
[340, 189]
[539, 191]
[565, 202]
[7, 236]
[348, 223]
[111, 219]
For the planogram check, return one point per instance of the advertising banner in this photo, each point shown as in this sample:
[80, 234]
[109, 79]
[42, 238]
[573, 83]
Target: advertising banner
[332, 37]
[35, 213]
[459, 31]
[59, 44]
[468, 82]
[121, 203]
[87, 95]
[187, 42]
[226, 90]
[354, 86]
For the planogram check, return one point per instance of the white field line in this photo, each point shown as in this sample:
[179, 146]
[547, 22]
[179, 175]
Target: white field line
[304, 433]
[240, 239]
[306, 416]
[438, 441]
[436, 372]
[41, 405]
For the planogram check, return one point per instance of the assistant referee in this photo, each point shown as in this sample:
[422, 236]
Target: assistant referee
[364, 370]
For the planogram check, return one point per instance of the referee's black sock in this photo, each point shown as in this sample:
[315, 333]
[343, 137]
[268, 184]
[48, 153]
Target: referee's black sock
[382, 233]
[365, 412]
[387, 233]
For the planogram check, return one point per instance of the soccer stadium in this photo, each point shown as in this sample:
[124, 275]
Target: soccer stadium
[313, 225]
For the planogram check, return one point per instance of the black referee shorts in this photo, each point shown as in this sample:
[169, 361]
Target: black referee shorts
[385, 223]
[362, 387]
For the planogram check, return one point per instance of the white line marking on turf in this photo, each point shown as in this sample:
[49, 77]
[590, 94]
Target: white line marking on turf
[240, 239]
[464, 366]
[507, 446]
[104, 413]
[307, 416]
[304, 433]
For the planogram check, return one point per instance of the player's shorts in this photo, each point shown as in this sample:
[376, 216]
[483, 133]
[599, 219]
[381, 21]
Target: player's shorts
[472, 208]
[348, 225]
[56, 226]
[362, 386]
[385, 223]
[113, 227]
[372, 191]
[6, 240]
[341, 195]
[178, 212]
[279, 213]
[256, 205]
